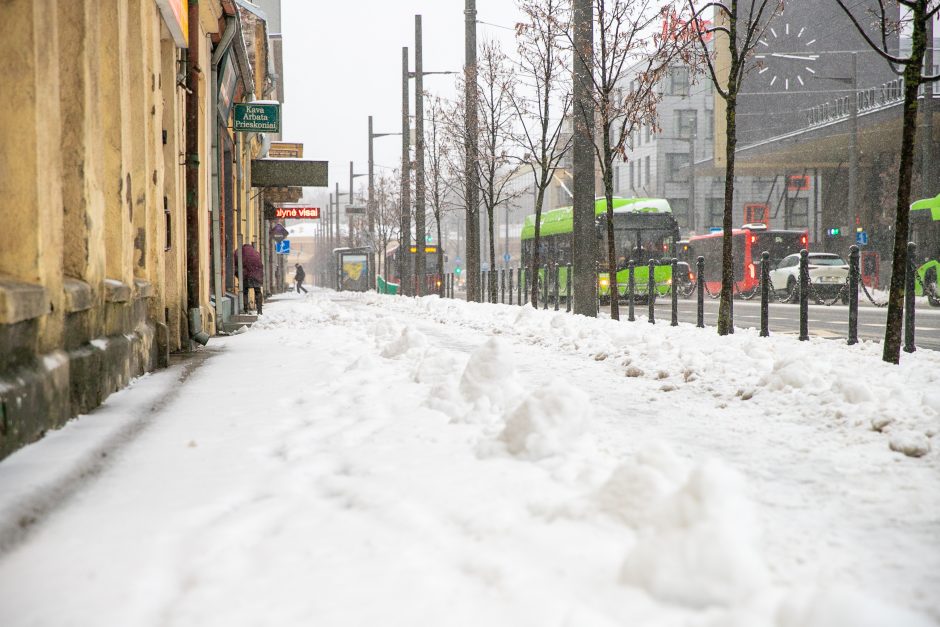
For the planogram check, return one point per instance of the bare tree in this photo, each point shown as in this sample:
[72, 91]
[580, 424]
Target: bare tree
[387, 201]
[630, 59]
[495, 163]
[915, 15]
[441, 182]
[738, 28]
[541, 110]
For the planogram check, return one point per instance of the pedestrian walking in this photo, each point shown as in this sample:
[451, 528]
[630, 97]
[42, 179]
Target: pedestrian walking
[253, 271]
[299, 276]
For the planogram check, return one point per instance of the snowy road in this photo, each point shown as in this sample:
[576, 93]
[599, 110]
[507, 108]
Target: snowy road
[367, 460]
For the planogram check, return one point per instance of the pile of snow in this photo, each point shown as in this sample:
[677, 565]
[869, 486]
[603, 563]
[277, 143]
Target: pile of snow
[838, 384]
[548, 422]
[701, 546]
[408, 340]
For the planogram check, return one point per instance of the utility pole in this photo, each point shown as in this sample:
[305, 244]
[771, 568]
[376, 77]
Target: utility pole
[405, 236]
[339, 241]
[853, 148]
[471, 151]
[349, 216]
[584, 294]
[691, 215]
[371, 200]
[420, 264]
[370, 208]
[929, 175]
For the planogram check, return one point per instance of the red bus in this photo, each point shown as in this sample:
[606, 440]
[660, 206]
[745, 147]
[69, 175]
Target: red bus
[747, 244]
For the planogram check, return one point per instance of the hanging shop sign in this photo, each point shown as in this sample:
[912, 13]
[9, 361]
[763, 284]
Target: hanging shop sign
[297, 213]
[288, 172]
[252, 117]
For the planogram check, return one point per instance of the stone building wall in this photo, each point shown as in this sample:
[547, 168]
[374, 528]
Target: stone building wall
[93, 202]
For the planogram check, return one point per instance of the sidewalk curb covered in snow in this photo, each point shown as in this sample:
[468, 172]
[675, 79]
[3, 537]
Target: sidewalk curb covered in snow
[38, 477]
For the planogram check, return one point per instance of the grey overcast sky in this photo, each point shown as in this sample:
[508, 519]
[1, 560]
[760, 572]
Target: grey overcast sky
[342, 63]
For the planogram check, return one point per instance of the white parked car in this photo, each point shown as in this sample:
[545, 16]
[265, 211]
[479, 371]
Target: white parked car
[827, 274]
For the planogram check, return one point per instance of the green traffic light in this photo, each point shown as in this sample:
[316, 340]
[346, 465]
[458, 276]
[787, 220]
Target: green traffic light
[457, 270]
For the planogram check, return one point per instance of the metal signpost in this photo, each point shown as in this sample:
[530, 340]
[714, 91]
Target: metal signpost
[282, 247]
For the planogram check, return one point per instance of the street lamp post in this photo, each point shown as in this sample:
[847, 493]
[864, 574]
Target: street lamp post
[370, 201]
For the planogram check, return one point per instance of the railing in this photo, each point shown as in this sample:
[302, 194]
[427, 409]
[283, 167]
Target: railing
[513, 286]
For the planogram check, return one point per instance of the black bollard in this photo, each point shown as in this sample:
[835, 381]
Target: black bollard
[521, 286]
[804, 295]
[557, 288]
[675, 293]
[544, 279]
[909, 299]
[510, 285]
[765, 294]
[568, 287]
[651, 292]
[700, 288]
[853, 294]
[631, 290]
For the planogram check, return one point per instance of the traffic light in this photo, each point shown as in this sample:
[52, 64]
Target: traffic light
[834, 232]
[457, 270]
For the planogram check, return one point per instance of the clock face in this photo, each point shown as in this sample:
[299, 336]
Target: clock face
[786, 57]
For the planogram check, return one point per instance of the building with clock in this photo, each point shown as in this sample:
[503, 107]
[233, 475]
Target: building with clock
[797, 123]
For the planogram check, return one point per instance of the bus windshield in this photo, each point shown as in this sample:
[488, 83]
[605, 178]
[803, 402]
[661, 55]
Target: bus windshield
[641, 237]
[641, 246]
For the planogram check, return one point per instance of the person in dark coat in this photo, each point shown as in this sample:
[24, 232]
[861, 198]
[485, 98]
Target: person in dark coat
[253, 272]
[299, 276]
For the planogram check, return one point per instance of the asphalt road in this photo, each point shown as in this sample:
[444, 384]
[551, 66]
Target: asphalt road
[829, 322]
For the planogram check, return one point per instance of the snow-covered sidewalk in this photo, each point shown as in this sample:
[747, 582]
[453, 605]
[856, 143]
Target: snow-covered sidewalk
[371, 460]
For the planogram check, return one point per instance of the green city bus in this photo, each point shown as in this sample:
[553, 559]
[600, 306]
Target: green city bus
[644, 229]
[925, 232]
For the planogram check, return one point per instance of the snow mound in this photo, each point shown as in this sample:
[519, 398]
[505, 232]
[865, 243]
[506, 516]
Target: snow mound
[701, 545]
[409, 339]
[489, 379]
[548, 422]
[840, 606]
[636, 486]
[911, 443]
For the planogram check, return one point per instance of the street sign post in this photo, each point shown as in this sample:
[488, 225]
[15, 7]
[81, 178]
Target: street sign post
[282, 247]
[278, 233]
[507, 257]
[257, 117]
[357, 210]
[861, 238]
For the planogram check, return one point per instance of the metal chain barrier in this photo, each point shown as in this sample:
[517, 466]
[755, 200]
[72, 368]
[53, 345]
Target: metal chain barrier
[820, 301]
[871, 298]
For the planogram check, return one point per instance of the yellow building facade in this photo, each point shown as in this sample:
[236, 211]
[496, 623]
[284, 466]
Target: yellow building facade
[106, 195]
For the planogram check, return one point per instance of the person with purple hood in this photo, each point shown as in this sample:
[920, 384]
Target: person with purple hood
[253, 273]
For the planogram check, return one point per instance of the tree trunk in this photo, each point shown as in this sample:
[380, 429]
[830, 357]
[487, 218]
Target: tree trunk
[611, 244]
[912, 82]
[725, 320]
[536, 244]
[490, 284]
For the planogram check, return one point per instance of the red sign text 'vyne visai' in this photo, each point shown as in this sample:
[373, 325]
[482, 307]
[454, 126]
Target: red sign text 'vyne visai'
[295, 213]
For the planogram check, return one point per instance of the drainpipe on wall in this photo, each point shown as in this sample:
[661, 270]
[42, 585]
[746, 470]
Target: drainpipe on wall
[224, 44]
